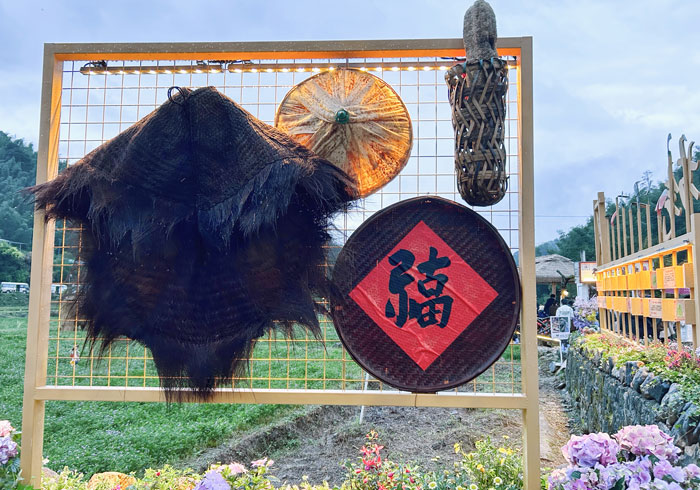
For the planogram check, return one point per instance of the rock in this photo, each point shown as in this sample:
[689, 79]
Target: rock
[672, 405]
[631, 369]
[639, 377]
[690, 454]
[553, 367]
[618, 373]
[684, 430]
[608, 365]
[110, 479]
[654, 388]
[48, 476]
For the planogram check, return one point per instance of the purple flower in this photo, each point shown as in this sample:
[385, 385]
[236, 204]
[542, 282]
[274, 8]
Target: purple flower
[213, 481]
[692, 470]
[556, 479]
[590, 449]
[664, 468]
[647, 440]
[639, 473]
[610, 475]
[8, 449]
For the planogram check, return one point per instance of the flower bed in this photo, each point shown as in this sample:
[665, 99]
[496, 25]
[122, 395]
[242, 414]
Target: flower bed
[671, 363]
[613, 382]
[639, 457]
[488, 466]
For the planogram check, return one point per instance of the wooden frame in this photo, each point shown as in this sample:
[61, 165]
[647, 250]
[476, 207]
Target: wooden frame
[36, 392]
[628, 285]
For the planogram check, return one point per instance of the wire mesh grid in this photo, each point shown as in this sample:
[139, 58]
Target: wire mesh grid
[96, 107]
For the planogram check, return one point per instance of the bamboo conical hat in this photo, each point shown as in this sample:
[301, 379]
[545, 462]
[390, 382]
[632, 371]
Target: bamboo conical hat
[353, 119]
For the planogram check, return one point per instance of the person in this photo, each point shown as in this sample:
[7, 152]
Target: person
[550, 305]
[565, 310]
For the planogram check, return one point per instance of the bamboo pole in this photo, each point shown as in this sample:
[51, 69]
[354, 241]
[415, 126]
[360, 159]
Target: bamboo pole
[617, 227]
[639, 226]
[624, 230]
[604, 231]
[687, 200]
[631, 216]
[671, 191]
[648, 213]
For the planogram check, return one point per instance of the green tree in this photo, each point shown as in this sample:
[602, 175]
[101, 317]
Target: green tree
[14, 265]
[17, 171]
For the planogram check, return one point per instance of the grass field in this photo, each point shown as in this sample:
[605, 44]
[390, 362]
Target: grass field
[101, 436]
[129, 437]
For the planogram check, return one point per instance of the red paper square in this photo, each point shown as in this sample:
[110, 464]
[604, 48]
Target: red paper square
[470, 294]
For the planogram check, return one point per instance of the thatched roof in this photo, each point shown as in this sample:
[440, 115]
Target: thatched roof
[546, 268]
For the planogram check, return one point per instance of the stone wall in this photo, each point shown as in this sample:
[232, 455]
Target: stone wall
[608, 397]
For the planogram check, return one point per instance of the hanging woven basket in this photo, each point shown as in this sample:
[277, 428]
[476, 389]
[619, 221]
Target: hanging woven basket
[477, 92]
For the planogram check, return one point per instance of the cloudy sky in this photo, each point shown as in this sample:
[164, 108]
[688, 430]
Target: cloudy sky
[612, 77]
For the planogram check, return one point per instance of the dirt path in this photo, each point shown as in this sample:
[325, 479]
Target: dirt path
[315, 443]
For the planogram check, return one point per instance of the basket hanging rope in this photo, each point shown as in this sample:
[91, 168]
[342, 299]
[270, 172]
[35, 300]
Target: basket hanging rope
[477, 92]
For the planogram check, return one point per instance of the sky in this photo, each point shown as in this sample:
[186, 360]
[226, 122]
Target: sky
[611, 77]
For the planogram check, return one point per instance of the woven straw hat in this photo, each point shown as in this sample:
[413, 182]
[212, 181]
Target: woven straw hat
[205, 230]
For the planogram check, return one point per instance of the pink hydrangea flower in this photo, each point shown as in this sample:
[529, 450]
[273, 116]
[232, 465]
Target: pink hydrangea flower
[647, 440]
[236, 468]
[5, 428]
[591, 449]
[261, 462]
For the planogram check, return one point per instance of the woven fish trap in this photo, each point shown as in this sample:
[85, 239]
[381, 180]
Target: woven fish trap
[477, 92]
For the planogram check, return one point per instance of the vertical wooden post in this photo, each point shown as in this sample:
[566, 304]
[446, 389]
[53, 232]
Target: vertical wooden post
[528, 319]
[648, 212]
[615, 243]
[596, 231]
[617, 227]
[604, 231]
[671, 195]
[661, 226]
[695, 225]
[41, 275]
[632, 247]
[639, 227]
[687, 197]
[623, 223]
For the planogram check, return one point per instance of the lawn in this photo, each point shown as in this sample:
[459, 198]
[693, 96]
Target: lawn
[101, 436]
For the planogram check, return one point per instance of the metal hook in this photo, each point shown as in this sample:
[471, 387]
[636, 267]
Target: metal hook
[182, 93]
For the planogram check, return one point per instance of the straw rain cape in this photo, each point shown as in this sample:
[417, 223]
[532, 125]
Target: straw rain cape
[204, 230]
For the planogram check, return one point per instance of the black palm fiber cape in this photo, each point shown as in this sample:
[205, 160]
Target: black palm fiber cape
[205, 231]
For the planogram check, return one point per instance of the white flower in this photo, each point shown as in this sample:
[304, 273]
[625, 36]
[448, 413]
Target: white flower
[497, 481]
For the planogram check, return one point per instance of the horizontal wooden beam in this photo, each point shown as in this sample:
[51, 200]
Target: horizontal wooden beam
[291, 397]
[508, 46]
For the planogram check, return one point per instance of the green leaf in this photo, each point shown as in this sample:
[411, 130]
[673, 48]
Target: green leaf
[619, 484]
[576, 475]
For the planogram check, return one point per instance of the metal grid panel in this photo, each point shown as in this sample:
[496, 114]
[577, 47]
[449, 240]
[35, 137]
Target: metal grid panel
[99, 106]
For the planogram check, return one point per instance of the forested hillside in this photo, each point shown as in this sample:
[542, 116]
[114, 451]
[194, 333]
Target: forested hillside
[17, 171]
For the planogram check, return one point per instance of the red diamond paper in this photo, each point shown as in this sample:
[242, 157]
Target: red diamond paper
[471, 294]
